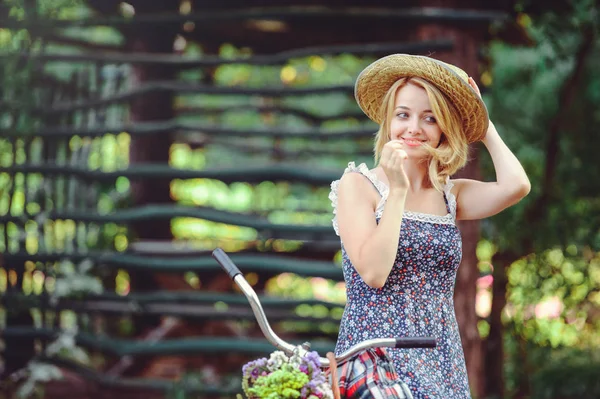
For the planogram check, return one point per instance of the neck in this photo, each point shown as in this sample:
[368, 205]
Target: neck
[416, 171]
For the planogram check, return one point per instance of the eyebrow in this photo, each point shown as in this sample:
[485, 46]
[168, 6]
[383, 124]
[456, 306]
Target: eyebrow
[408, 109]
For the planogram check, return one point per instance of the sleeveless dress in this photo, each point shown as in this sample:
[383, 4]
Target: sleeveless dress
[416, 300]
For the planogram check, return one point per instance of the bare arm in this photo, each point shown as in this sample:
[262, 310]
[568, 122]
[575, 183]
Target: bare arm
[478, 200]
[371, 247]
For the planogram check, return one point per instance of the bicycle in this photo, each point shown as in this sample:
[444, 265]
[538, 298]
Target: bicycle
[330, 362]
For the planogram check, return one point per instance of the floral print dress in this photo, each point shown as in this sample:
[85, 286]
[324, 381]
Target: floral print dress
[416, 301]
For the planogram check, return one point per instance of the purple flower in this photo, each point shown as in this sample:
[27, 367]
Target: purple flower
[254, 368]
[304, 392]
[313, 357]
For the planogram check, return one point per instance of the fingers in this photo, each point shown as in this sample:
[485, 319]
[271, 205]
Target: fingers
[400, 156]
[393, 154]
[392, 161]
[474, 85]
[394, 145]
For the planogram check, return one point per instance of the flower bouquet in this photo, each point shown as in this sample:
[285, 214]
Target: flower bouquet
[281, 377]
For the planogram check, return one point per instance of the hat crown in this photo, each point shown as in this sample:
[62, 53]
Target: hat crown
[463, 75]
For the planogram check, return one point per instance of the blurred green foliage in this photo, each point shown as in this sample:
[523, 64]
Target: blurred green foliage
[552, 317]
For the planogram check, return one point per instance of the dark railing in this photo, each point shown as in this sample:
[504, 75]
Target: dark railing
[50, 183]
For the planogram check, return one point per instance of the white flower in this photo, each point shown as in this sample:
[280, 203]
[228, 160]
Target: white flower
[325, 389]
[277, 359]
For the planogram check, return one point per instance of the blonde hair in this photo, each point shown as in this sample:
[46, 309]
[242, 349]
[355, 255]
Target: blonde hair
[451, 154]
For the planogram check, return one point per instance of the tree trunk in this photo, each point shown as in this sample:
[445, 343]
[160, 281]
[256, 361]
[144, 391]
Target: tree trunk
[494, 348]
[465, 294]
[153, 106]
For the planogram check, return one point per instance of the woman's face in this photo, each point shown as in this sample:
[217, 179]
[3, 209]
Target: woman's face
[413, 121]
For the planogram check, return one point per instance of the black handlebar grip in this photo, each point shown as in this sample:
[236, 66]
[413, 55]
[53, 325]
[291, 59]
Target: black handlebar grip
[416, 342]
[226, 263]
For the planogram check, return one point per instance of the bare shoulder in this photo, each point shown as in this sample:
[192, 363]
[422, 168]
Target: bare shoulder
[356, 187]
[457, 185]
[357, 200]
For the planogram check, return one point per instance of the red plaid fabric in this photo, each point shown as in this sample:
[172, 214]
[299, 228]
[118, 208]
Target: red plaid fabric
[371, 375]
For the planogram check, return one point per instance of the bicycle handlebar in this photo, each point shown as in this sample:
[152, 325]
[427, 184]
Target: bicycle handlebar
[226, 263]
[236, 275]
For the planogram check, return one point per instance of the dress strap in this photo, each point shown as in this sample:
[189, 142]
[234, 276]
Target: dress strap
[364, 170]
[450, 199]
[447, 204]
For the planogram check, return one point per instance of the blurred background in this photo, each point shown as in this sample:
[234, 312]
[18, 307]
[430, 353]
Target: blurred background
[136, 137]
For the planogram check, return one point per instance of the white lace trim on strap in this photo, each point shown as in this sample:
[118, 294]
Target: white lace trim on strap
[363, 170]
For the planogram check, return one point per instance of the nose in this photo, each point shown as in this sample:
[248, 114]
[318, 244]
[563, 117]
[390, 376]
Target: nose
[414, 126]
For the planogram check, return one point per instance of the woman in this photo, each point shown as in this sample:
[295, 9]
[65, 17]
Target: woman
[397, 222]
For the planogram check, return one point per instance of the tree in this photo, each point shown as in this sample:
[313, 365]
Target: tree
[543, 103]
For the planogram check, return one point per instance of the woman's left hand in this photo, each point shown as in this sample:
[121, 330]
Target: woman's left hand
[474, 86]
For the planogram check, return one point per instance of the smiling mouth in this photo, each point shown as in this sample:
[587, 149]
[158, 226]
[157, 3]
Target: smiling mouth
[413, 142]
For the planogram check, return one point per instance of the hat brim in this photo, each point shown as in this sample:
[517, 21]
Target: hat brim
[376, 79]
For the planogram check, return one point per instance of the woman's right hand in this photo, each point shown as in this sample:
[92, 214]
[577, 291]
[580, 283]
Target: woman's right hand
[392, 163]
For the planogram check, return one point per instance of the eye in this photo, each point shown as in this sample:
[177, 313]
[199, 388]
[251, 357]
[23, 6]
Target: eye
[402, 115]
[430, 119]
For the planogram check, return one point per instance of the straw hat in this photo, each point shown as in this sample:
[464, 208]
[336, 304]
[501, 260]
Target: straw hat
[376, 79]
